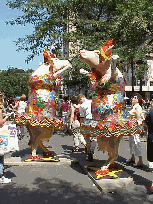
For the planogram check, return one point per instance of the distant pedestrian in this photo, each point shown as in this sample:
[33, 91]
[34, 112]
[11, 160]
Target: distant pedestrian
[65, 112]
[2, 102]
[19, 108]
[134, 141]
[2, 122]
[11, 103]
[149, 123]
[75, 124]
[147, 104]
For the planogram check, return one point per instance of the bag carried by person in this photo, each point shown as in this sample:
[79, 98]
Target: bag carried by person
[8, 139]
[82, 112]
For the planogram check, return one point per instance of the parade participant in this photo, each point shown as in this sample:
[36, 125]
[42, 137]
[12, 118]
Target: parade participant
[65, 112]
[75, 124]
[147, 104]
[40, 114]
[134, 141]
[107, 85]
[149, 123]
[85, 114]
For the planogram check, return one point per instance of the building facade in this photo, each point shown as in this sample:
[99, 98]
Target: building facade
[147, 81]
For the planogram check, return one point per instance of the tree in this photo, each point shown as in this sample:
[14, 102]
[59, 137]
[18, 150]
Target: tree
[73, 77]
[87, 24]
[14, 82]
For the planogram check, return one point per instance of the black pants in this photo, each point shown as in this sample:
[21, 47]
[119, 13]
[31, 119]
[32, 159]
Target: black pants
[149, 151]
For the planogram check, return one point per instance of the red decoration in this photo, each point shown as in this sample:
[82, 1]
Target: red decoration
[102, 172]
[46, 56]
[107, 45]
[34, 157]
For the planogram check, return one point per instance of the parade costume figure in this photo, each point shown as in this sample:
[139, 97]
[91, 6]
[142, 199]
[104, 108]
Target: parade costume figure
[40, 115]
[107, 86]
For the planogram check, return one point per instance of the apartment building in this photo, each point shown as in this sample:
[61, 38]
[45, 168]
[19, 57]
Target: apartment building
[147, 81]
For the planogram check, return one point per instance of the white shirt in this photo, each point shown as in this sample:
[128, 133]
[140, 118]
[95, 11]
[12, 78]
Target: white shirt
[137, 113]
[87, 108]
[21, 107]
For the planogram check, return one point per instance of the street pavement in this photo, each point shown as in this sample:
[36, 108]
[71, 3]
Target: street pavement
[66, 182]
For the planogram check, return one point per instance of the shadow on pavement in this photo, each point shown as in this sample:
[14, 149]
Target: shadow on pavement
[123, 160]
[54, 190]
[77, 168]
[138, 179]
[60, 191]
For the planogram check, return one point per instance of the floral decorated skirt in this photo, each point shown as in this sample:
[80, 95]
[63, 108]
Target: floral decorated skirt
[108, 129]
[29, 120]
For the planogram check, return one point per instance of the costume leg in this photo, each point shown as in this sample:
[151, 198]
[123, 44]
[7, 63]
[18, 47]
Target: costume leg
[112, 145]
[112, 156]
[87, 139]
[37, 135]
[41, 145]
[31, 141]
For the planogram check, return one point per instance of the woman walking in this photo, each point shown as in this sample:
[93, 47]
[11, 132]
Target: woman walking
[134, 141]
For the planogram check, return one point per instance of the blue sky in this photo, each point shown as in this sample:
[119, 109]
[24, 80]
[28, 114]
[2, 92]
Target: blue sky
[8, 34]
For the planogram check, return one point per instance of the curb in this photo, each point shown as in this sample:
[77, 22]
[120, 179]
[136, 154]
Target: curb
[108, 185]
[17, 161]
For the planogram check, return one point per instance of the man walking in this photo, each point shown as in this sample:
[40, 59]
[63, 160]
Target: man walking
[86, 115]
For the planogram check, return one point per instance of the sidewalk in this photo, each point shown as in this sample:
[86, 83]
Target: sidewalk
[136, 186]
[62, 144]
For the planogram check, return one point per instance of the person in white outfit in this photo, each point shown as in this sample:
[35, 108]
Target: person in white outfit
[134, 141]
[86, 115]
[20, 109]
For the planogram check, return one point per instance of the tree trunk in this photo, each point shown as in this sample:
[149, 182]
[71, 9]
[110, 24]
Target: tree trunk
[141, 87]
[132, 67]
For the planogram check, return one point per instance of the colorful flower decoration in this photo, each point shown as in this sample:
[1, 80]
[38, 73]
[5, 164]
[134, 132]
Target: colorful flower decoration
[42, 103]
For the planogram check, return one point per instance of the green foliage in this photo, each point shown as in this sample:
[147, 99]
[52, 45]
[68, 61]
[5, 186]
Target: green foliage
[87, 24]
[73, 77]
[14, 81]
[141, 70]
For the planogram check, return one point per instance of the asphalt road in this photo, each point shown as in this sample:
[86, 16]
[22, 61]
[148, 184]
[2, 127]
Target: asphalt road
[65, 182]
